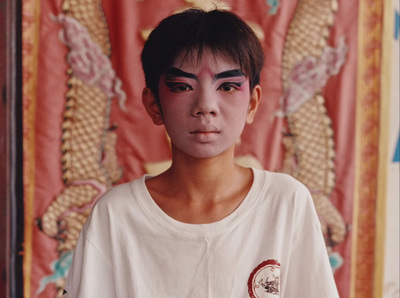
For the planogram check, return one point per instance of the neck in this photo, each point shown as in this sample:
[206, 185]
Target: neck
[206, 177]
[200, 190]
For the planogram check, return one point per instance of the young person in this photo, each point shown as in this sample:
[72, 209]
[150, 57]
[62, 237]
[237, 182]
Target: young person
[206, 227]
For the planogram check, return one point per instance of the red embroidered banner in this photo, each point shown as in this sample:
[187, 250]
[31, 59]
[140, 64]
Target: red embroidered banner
[85, 128]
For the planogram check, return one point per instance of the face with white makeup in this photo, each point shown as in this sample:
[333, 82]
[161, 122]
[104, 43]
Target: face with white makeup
[204, 104]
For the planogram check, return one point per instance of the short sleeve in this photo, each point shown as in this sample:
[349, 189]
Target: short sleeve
[309, 271]
[90, 274]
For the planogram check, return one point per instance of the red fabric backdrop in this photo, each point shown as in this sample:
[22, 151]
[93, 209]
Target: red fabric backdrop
[67, 118]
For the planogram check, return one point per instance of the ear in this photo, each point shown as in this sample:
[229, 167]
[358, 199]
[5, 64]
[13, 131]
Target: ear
[152, 107]
[254, 103]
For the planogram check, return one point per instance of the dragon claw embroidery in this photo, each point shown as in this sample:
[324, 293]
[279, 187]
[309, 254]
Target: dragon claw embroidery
[270, 286]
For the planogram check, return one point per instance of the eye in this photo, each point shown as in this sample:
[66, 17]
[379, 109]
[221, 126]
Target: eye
[178, 87]
[230, 86]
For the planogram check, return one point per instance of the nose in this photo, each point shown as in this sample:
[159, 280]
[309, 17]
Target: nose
[205, 104]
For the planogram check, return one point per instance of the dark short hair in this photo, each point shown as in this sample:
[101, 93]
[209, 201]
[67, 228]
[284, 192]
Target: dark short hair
[193, 30]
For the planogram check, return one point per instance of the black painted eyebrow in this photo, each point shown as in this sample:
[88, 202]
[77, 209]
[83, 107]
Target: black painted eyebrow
[176, 72]
[229, 74]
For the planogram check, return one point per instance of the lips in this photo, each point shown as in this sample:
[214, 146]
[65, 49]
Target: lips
[205, 134]
[209, 129]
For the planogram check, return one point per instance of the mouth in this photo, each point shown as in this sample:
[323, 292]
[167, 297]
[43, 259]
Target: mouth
[204, 130]
[205, 135]
[197, 132]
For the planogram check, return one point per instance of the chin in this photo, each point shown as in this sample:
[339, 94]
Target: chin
[207, 153]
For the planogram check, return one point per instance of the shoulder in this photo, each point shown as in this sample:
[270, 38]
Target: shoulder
[117, 201]
[120, 193]
[283, 191]
[281, 183]
[111, 209]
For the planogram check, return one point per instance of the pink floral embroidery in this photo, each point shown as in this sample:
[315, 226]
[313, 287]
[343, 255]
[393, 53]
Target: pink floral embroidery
[310, 75]
[86, 59]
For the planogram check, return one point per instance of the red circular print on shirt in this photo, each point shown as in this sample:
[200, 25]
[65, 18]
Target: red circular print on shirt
[264, 281]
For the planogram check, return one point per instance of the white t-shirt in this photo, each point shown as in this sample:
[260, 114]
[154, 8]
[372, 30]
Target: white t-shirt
[270, 246]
